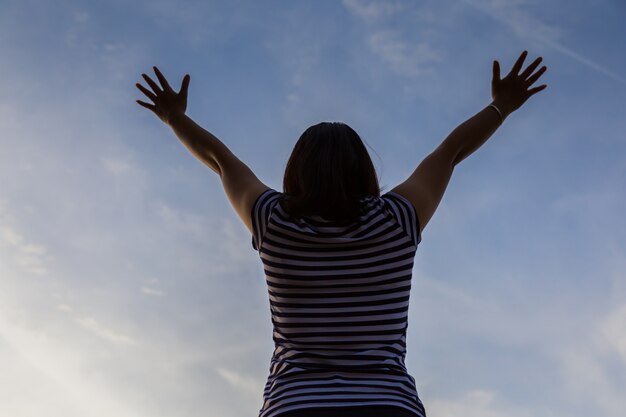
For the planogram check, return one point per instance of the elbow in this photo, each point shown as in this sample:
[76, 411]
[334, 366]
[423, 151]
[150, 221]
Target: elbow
[448, 155]
[211, 163]
[457, 158]
[215, 167]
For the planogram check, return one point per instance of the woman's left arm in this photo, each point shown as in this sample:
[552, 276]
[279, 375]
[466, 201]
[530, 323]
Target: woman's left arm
[200, 142]
[241, 185]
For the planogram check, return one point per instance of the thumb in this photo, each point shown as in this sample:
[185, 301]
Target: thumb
[496, 71]
[184, 86]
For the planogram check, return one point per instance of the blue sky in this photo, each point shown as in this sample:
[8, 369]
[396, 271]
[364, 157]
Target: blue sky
[129, 287]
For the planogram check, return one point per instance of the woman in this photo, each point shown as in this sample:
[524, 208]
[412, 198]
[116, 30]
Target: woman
[337, 255]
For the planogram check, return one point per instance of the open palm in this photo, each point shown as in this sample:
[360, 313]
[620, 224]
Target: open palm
[513, 90]
[167, 102]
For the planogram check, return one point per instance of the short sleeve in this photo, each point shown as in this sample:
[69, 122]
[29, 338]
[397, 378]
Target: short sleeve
[406, 215]
[260, 215]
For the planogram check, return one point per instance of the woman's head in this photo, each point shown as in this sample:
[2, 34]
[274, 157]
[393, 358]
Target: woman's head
[328, 171]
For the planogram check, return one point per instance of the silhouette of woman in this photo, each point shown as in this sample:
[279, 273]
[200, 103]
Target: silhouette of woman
[337, 255]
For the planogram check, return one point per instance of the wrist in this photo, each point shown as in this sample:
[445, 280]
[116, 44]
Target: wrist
[504, 108]
[175, 118]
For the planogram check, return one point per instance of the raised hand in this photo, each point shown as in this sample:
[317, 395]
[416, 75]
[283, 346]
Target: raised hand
[512, 91]
[167, 103]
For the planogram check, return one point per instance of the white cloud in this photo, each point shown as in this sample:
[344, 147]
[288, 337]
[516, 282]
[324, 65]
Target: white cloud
[587, 378]
[372, 10]
[116, 166]
[77, 34]
[475, 403]
[402, 57]
[105, 332]
[245, 384]
[80, 16]
[521, 22]
[65, 307]
[613, 329]
[527, 26]
[183, 222]
[51, 372]
[591, 364]
[10, 237]
[152, 291]
[195, 20]
[29, 257]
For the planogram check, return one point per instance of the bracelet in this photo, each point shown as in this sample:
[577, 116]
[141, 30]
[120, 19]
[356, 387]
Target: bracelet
[499, 112]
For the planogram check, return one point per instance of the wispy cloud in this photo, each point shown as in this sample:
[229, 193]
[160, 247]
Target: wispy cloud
[65, 307]
[152, 291]
[194, 20]
[30, 257]
[182, 222]
[245, 384]
[525, 25]
[476, 403]
[297, 43]
[53, 373]
[105, 332]
[403, 57]
[591, 366]
[613, 331]
[371, 10]
[580, 58]
[116, 166]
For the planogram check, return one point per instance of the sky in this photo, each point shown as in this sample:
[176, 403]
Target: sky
[129, 286]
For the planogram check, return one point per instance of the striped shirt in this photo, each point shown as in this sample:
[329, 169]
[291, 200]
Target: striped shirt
[339, 299]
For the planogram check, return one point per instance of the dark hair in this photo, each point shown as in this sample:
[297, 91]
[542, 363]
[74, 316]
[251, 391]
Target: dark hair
[327, 174]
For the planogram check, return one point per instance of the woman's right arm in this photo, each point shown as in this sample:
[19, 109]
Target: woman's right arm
[427, 184]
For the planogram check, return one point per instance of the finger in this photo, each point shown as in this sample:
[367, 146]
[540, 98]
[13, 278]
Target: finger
[536, 89]
[518, 63]
[146, 105]
[162, 80]
[152, 84]
[535, 76]
[496, 71]
[147, 92]
[529, 70]
[184, 87]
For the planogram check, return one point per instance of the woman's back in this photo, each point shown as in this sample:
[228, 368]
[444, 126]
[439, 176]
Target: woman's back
[339, 298]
